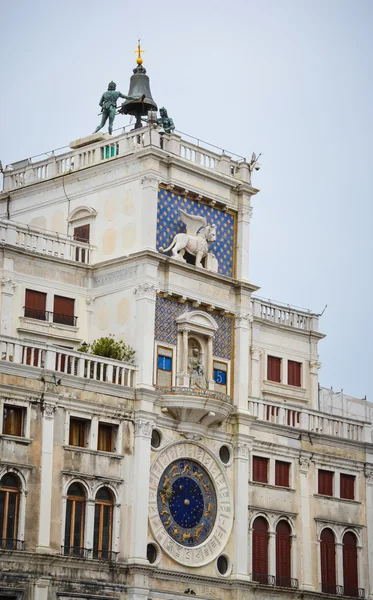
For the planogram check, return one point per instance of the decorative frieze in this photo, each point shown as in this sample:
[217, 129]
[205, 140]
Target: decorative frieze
[120, 275]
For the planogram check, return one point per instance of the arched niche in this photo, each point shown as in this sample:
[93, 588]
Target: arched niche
[196, 330]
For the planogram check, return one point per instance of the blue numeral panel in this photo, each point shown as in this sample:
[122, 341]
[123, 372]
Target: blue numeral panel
[220, 377]
[165, 363]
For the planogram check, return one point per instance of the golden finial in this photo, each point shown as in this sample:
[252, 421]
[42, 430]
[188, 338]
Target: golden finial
[138, 52]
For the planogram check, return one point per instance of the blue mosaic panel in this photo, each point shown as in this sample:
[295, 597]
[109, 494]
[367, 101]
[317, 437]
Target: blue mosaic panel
[169, 224]
[166, 313]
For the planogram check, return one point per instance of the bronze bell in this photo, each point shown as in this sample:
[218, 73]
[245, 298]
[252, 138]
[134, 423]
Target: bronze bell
[139, 86]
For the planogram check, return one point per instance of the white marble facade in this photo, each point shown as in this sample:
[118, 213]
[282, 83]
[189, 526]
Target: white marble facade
[239, 382]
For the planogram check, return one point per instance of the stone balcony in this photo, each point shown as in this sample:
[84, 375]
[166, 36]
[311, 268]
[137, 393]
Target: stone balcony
[76, 157]
[195, 409]
[284, 315]
[47, 243]
[67, 362]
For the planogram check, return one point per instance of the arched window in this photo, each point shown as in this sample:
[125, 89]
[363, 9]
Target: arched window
[327, 551]
[350, 578]
[103, 525]
[74, 525]
[283, 554]
[9, 509]
[260, 550]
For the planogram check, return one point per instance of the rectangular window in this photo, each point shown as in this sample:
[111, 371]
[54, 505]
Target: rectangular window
[260, 469]
[35, 304]
[220, 376]
[78, 433]
[294, 372]
[347, 486]
[63, 310]
[105, 437]
[274, 369]
[13, 420]
[81, 234]
[282, 473]
[326, 482]
[164, 366]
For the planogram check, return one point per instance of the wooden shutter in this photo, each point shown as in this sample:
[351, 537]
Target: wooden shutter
[35, 303]
[282, 473]
[81, 234]
[260, 550]
[294, 370]
[283, 554]
[274, 368]
[350, 577]
[325, 482]
[63, 310]
[347, 486]
[327, 552]
[260, 469]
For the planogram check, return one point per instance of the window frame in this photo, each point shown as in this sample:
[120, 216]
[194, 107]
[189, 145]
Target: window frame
[23, 413]
[75, 499]
[113, 436]
[319, 480]
[102, 503]
[62, 318]
[295, 375]
[352, 478]
[86, 423]
[7, 490]
[256, 459]
[170, 348]
[278, 463]
[43, 311]
[280, 366]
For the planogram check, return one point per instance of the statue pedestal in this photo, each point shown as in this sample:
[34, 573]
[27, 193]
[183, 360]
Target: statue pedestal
[90, 139]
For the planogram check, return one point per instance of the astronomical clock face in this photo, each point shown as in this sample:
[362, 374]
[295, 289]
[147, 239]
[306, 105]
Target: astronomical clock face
[190, 504]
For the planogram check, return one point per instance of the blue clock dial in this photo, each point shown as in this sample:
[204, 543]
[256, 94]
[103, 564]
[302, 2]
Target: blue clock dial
[186, 501]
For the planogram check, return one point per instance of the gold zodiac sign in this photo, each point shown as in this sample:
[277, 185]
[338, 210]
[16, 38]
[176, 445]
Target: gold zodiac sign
[164, 513]
[176, 531]
[186, 536]
[208, 510]
[198, 475]
[168, 522]
[197, 531]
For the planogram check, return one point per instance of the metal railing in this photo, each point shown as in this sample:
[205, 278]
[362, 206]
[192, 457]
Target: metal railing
[341, 590]
[89, 553]
[274, 581]
[11, 544]
[47, 315]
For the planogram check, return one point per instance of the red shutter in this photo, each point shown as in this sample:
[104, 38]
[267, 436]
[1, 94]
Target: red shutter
[282, 473]
[274, 368]
[327, 551]
[347, 487]
[260, 469]
[326, 482]
[294, 369]
[81, 234]
[35, 303]
[63, 310]
[350, 577]
[260, 550]
[283, 554]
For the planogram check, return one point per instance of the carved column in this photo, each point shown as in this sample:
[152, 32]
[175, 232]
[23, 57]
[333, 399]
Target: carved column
[243, 242]
[145, 315]
[307, 534]
[7, 290]
[369, 515]
[241, 450]
[140, 490]
[149, 200]
[339, 562]
[242, 359]
[47, 436]
[315, 365]
[271, 553]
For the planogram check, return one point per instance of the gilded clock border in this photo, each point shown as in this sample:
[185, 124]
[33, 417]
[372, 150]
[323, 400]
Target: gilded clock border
[207, 551]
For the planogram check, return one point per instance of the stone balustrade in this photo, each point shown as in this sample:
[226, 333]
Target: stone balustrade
[309, 420]
[44, 242]
[69, 362]
[29, 171]
[281, 314]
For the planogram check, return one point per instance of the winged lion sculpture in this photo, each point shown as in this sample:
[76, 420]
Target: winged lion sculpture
[196, 240]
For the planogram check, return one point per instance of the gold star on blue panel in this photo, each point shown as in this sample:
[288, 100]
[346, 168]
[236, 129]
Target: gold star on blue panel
[169, 224]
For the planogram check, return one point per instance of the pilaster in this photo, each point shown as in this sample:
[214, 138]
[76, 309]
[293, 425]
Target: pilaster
[7, 290]
[243, 242]
[369, 516]
[306, 537]
[145, 316]
[242, 327]
[149, 183]
[46, 477]
[241, 452]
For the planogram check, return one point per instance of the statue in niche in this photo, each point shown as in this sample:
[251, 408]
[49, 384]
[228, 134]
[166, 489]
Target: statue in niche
[195, 241]
[195, 367]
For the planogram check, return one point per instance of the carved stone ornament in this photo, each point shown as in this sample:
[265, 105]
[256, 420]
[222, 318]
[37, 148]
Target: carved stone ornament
[304, 464]
[199, 235]
[195, 466]
[243, 319]
[315, 365]
[146, 290]
[256, 353]
[245, 213]
[8, 284]
[150, 180]
[143, 428]
[241, 450]
[48, 410]
[369, 475]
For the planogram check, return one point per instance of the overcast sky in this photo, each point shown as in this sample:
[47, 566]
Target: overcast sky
[289, 78]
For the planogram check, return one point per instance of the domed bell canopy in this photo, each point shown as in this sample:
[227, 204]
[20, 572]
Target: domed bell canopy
[139, 87]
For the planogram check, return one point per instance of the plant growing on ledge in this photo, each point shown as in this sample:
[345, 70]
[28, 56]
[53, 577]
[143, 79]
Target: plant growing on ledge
[108, 347]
